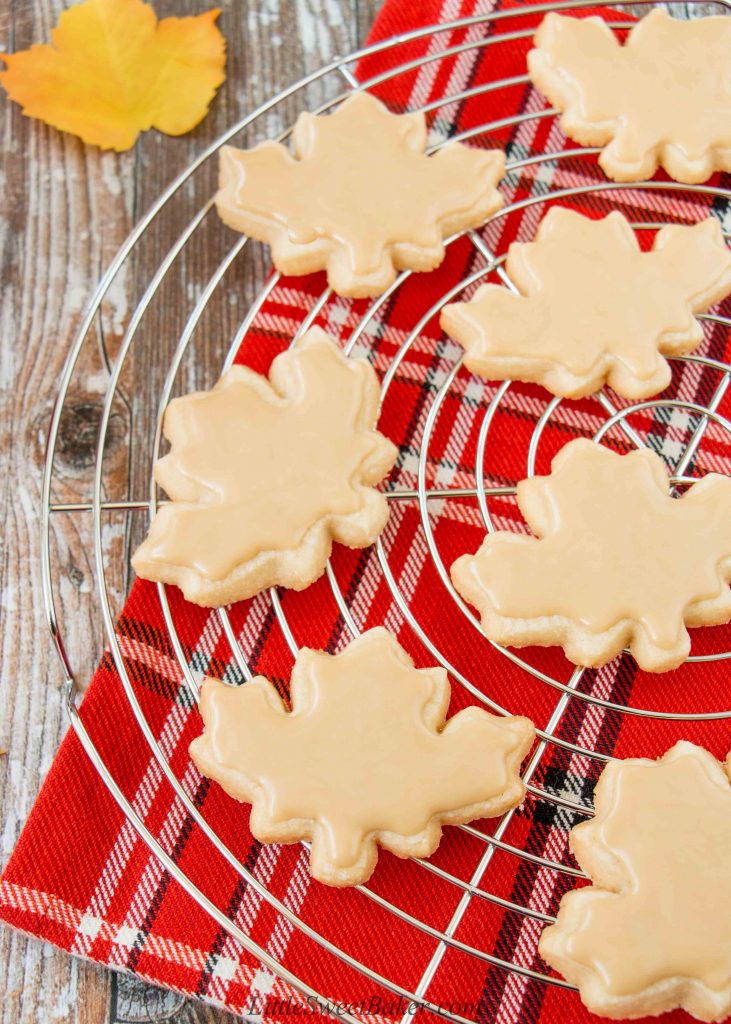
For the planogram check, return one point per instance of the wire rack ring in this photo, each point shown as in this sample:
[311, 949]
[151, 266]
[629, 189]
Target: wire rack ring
[483, 31]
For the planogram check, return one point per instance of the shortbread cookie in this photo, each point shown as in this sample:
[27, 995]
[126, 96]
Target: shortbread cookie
[365, 758]
[664, 98]
[360, 198]
[617, 561]
[654, 930]
[593, 307]
[264, 475]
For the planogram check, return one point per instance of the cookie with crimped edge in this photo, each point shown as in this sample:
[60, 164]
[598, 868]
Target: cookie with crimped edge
[265, 474]
[616, 561]
[360, 198]
[661, 99]
[592, 307]
[653, 931]
[365, 758]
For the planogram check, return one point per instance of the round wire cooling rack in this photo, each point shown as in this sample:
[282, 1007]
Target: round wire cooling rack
[491, 29]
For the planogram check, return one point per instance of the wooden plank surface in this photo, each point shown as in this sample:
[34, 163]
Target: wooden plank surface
[66, 209]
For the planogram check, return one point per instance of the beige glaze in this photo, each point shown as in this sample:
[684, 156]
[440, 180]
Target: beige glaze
[593, 306]
[659, 853]
[254, 465]
[364, 754]
[613, 547]
[360, 196]
[664, 97]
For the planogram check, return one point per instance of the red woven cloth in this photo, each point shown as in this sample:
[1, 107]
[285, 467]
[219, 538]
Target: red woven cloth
[96, 890]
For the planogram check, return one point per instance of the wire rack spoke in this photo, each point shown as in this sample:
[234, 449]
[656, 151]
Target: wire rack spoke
[435, 483]
[486, 859]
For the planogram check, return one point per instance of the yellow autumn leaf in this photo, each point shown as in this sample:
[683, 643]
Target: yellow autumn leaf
[113, 70]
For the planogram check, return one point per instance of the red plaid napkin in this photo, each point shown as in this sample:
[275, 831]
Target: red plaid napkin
[98, 892]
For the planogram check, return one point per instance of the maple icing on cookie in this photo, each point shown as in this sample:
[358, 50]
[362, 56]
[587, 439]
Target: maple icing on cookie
[360, 198]
[592, 306]
[616, 560]
[664, 98]
[265, 474]
[654, 930]
[365, 756]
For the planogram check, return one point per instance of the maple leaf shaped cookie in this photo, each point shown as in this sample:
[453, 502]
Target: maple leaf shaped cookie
[616, 561]
[365, 757]
[264, 475]
[593, 307]
[664, 98]
[654, 930]
[360, 198]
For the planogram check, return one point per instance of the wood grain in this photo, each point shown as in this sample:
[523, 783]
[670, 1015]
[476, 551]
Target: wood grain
[66, 209]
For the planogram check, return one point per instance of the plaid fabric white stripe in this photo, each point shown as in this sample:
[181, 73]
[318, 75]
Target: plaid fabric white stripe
[114, 868]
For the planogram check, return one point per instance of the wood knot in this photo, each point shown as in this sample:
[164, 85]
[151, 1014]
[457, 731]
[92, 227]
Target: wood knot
[79, 430]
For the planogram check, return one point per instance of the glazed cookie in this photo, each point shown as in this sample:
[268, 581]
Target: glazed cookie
[265, 474]
[653, 932]
[594, 308]
[662, 99]
[365, 758]
[616, 561]
[360, 198]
